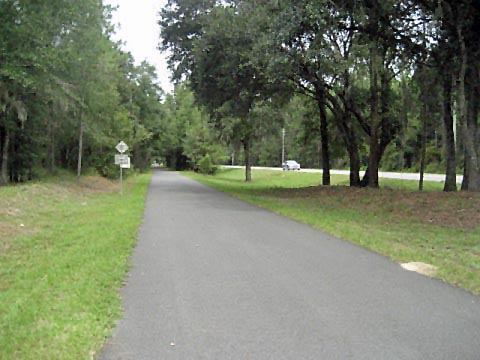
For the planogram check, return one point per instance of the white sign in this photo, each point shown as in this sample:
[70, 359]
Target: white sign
[126, 164]
[121, 159]
[121, 147]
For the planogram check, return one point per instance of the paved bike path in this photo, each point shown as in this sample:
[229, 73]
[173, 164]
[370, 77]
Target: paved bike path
[216, 278]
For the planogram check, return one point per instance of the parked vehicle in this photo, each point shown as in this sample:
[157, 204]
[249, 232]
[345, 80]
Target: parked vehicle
[291, 165]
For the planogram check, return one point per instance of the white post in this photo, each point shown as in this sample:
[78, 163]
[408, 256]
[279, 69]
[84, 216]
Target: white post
[121, 179]
[121, 148]
[283, 146]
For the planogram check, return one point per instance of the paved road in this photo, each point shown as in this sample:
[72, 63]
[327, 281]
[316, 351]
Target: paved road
[381, 174]
[216, 278]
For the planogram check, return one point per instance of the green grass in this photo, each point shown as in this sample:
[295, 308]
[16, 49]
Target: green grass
[442, 229]
[64, 249]
[234, 180]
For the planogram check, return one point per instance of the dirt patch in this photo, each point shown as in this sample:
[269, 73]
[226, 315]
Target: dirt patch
[457, 210]
[97, 184]
[11, 211]
[9, 231]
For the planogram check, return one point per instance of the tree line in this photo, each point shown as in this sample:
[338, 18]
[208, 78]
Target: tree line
[390, 83]
[68, 93]
[355, 84]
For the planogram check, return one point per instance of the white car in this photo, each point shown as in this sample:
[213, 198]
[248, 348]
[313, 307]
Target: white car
[291, 165]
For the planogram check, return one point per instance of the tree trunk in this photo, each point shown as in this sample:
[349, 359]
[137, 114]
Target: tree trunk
[385, 132]
[472, 115]
[450, 156]
[324, 138]
[343, 120]
[80, 150]
[471, 159]
[403, 123]
[374, 66]
[52, 129]
[248, 166]
[425, 86]
[385, 140]
[466, 171]
[4, 176]
[467, 122]
[424, 115]
[354, 166]
[473, 124]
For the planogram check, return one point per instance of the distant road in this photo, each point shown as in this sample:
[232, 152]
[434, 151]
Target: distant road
[216, 278]
[382, 174]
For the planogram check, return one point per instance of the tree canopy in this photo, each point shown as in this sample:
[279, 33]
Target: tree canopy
[364, 85]
[361, 62]
[68, 93]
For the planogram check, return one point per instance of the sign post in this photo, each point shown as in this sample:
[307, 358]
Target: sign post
[122, 160]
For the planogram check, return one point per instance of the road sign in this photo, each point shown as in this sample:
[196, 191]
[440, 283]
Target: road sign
[126, 163]
[121, 147]
[121, 159]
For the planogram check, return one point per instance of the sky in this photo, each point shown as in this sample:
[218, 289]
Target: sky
[136, 26]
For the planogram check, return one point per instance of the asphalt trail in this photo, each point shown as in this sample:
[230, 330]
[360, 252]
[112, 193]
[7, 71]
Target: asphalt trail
[216, 278]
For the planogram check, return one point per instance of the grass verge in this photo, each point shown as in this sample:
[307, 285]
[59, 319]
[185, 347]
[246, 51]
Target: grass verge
[442, 229]
[64, 249]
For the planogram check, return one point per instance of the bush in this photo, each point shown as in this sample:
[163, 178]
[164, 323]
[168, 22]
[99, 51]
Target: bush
[106, 167]
[205, 166]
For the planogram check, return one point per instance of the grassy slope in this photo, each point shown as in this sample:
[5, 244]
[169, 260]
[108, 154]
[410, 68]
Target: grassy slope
[397, 221]
[64, 249]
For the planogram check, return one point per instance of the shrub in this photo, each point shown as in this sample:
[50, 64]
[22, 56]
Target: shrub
[106, 167]
[205, 166]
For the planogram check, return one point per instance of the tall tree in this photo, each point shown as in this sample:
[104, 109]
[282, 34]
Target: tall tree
[458, 47]
[299, 51]
[221, 73]
[25, 37]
